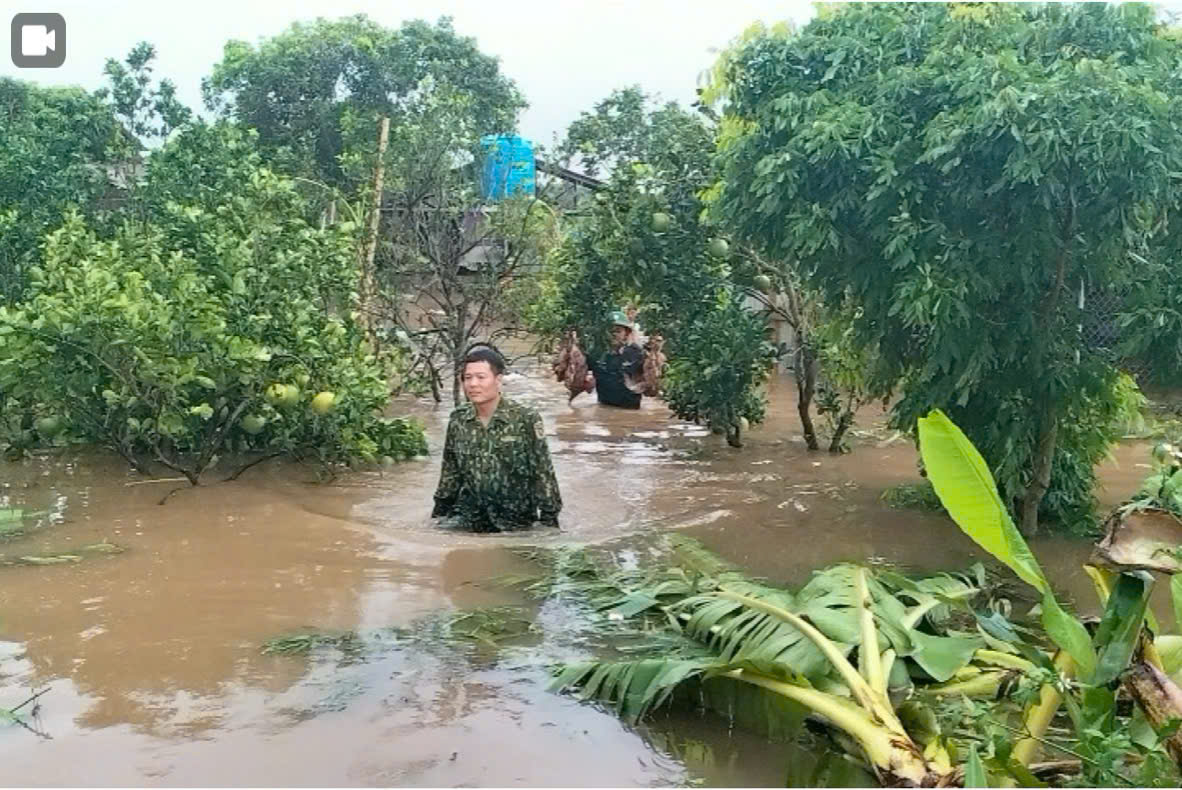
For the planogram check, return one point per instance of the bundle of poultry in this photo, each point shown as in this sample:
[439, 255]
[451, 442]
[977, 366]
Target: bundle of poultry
[571, 367]
[648, 382]
[654, 366]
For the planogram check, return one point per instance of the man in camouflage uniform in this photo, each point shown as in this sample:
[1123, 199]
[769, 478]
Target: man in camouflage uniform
[497, 474]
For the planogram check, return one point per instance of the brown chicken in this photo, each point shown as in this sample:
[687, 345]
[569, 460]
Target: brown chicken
[571, 367]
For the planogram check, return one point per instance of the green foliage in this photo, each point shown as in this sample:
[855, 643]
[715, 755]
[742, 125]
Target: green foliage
[919, 496]
[843, 385]
[144, 111]
[626, 128]
[56, 145]
[967, 489]
[957, 171]
[305, 642]
[766, 656]
[1104, 742]
[1162, 489]
[297, 87]
[160, 341]
[719, 365]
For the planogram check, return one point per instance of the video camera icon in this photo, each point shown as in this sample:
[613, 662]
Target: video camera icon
[38, 41]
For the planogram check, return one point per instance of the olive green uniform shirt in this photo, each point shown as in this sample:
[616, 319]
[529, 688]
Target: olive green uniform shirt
[499, 477]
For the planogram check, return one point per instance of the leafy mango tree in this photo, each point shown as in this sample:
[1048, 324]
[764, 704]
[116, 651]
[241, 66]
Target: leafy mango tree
[959, 171]
[214, 322]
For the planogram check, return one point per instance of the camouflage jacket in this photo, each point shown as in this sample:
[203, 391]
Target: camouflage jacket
[500, 477]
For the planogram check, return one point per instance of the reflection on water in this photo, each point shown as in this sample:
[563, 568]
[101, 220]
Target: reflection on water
[152, 656]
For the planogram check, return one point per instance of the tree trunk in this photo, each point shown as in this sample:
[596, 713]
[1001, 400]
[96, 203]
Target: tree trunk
[369, 290]
[805, 367]
[1048, 425]
[457, 374]
[843, 424]
[436, 382]
[1040, 480]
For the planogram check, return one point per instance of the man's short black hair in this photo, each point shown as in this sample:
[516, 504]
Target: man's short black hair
[486, 354]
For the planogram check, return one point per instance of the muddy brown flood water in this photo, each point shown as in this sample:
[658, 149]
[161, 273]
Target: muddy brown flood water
[152, 657]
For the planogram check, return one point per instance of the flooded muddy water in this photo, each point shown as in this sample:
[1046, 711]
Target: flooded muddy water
[152, 657]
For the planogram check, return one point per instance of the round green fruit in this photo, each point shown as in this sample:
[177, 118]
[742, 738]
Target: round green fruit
[253, 423]
[291, 396]
[661, 222]
[719, 247]
[48, 427]
[1162, 452]
[763, 283]
[324, 402]
[303, 379]
[276, 393]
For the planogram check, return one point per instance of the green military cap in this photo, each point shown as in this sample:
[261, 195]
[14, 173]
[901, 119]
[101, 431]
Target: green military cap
[619, 319]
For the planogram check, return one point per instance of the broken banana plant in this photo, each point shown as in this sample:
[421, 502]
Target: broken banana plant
[1143, 536]
[870, 718]
[855, 701]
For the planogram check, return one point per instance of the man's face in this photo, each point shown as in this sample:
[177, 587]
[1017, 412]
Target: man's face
[619, 335]
[481, 384]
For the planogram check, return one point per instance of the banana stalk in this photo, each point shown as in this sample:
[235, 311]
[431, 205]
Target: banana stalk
[1006, 660]
[986, 685]
[869, 719]
[868, 656]
[1037, 717]
[1159, 697]
[896, 759]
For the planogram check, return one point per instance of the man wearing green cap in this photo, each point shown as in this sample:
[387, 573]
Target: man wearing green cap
[618, 373]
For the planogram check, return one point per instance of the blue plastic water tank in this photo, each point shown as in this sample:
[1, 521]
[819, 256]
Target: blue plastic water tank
[508, 166]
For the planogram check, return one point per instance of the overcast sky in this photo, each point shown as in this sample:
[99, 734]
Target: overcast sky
[564, 56]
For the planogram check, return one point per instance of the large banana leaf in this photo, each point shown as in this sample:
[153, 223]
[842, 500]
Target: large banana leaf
[775, 655]
[1120, 628]
[631, 688]
[969, 493]
[739, 633]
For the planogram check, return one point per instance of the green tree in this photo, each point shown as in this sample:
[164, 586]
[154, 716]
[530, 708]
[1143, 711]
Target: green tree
[297, 87]
[205, 326]
[958, 170]
[56, 147]
[145, 110]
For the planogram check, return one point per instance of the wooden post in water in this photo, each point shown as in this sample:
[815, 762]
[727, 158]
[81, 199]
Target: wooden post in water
[369, 290]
